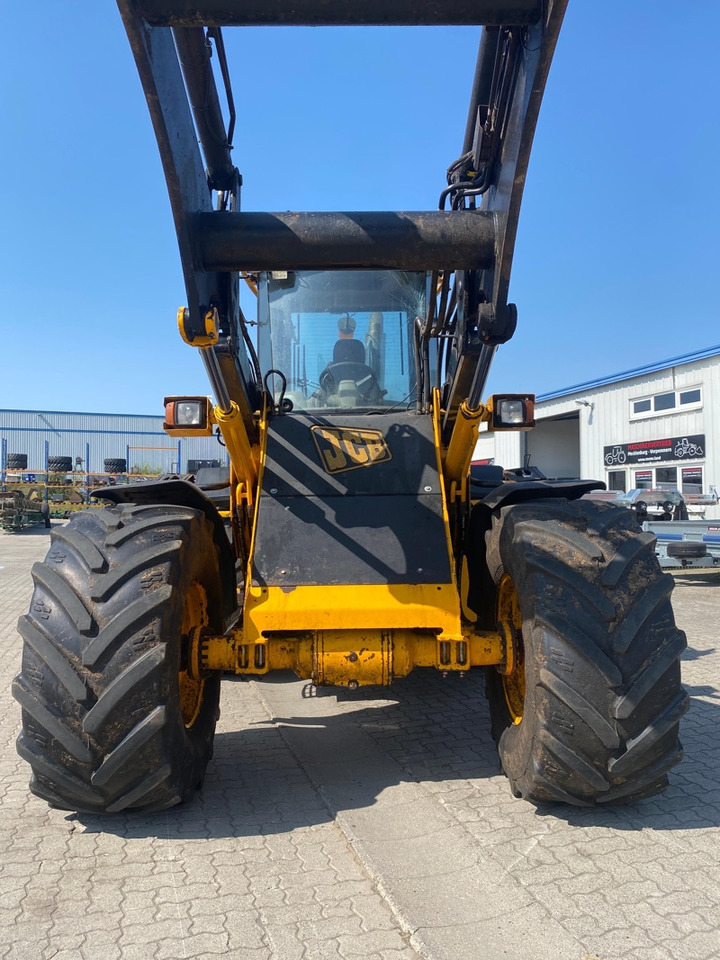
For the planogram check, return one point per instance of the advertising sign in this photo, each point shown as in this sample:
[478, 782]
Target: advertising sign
[655, 451]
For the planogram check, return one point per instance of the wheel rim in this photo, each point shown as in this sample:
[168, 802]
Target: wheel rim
[510, 622]
[195, 619]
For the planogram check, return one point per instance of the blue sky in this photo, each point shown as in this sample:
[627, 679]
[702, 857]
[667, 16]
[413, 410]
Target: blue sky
[615, 262]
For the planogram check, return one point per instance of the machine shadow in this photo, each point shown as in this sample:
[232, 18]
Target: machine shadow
[303, 769]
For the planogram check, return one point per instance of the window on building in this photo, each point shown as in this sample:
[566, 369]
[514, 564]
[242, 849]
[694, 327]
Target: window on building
[643, 479]
[692, 480]
[666, 478]
[664, 401]
[616, 480]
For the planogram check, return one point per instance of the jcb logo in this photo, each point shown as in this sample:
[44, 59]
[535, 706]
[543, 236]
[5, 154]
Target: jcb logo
[341, 448]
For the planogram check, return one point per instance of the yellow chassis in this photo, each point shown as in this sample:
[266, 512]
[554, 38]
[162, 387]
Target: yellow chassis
[348, 635]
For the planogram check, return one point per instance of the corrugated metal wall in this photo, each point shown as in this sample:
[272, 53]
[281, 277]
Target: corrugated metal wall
[139, 439]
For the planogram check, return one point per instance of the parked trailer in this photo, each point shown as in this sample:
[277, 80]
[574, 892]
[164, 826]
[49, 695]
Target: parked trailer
[18, 511]
[681, 542]
[685, 544]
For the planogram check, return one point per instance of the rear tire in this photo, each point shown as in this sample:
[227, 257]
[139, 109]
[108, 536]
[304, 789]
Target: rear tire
[590, 712]
[111, 719]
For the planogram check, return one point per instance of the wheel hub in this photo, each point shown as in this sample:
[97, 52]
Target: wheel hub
[190, 683]
[513, 669]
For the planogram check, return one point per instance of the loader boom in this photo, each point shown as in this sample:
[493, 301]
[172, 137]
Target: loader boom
[469, 245]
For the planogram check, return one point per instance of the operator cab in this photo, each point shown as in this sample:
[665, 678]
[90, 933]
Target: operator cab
[340, 339]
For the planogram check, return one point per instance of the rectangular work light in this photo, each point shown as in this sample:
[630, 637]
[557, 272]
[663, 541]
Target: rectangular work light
[188, 416]
[512, 411]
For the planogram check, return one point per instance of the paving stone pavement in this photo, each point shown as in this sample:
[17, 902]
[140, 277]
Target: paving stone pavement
[369, 825]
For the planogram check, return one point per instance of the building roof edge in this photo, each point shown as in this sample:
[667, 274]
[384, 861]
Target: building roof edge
[84, 413]
[587, 385]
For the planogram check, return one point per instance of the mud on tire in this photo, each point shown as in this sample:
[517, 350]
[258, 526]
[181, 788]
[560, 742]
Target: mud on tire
[601, 695]
[111, 719]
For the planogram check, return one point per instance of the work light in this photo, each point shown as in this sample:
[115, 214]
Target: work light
[512, 411]
[188, 415]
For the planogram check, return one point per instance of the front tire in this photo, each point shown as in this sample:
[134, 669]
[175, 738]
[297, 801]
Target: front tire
[112, 719]
[589, 709]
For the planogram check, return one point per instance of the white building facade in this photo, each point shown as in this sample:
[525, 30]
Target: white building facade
[656, 426]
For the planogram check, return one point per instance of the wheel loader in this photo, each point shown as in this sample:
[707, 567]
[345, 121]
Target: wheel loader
[345, 542]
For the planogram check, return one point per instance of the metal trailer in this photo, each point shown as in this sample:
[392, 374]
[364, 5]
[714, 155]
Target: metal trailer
[18, 511]
[686, 544]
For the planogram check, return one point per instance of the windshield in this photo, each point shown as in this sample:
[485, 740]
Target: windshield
[341, 338]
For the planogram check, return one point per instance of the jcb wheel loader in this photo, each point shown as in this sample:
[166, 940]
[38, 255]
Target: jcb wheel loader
[346, 542]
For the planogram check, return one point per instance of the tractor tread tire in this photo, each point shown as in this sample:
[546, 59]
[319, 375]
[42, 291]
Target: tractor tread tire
[103, 727]
[16, 461]
[115, 465]
[60, 464]
[603, 697]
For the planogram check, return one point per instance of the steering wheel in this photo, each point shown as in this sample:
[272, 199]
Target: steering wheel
[360, 373]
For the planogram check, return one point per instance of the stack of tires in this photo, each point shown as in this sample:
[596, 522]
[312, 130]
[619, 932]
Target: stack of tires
[60, 464]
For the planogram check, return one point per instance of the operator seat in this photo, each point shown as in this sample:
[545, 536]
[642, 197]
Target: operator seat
[348, 351]
[349, 365]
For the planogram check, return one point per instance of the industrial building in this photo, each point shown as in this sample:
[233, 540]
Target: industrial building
[653, 426]
[90, 439]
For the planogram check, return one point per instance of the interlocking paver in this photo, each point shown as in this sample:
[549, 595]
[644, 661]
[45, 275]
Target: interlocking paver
[371, 825]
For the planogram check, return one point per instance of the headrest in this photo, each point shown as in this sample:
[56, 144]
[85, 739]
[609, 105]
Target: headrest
[348, 351]
[346, 325]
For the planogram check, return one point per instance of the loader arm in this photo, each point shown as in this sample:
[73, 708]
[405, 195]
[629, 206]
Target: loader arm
[466, 245]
